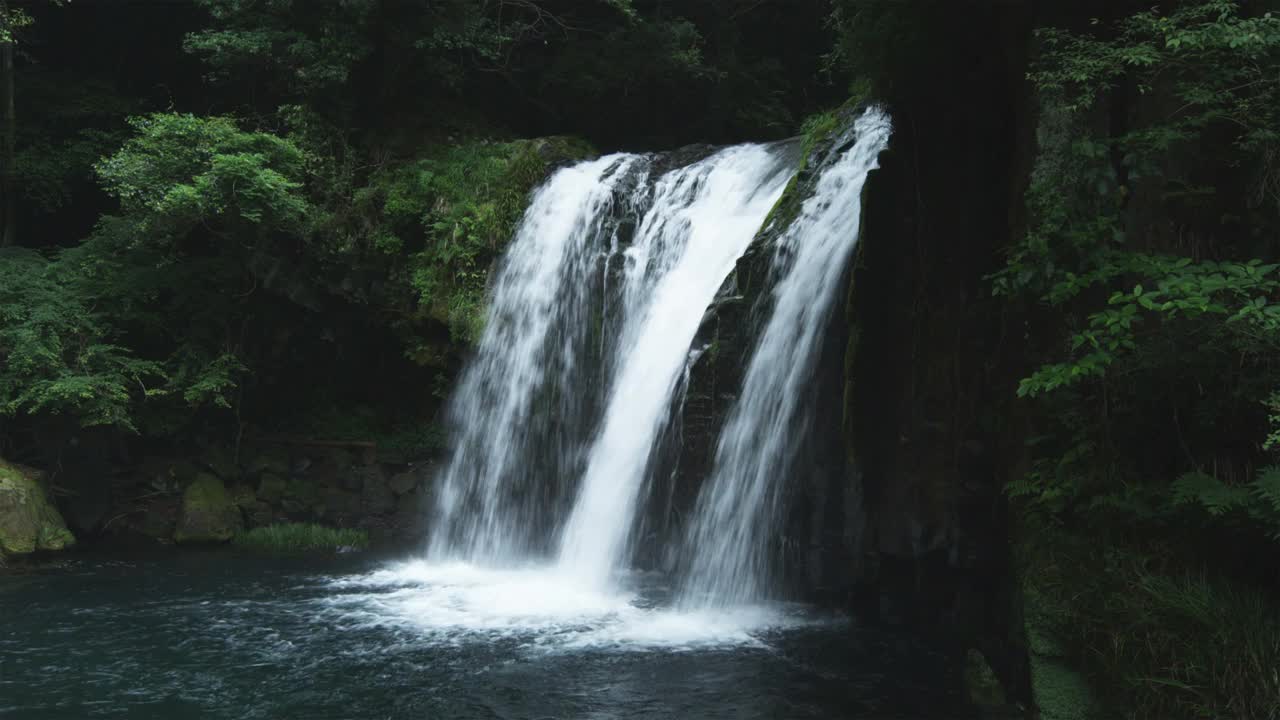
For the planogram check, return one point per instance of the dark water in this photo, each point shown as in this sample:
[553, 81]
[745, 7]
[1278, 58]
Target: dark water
[184, 636]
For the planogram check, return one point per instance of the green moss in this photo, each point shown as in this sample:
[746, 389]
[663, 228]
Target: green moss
[208, 512]
[1061, 692]
[301, 537]
[817, 132]
[980, 681]
[28, 521]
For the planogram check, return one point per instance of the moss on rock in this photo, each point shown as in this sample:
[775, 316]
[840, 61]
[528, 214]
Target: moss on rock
[980, 682]
[209, 514]
[28, 521]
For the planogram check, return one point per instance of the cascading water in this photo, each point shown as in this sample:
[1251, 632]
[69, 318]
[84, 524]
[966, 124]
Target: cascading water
[701, 220]
[512, 410]
[588, 342]
[736, 518]
[523, 412]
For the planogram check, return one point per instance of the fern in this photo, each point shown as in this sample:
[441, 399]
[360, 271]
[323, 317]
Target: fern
[1209, 493]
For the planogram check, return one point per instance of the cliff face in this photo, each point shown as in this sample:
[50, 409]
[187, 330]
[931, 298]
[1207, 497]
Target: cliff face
[933, 362]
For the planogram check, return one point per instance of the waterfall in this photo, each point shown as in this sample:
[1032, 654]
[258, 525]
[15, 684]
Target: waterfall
[580, 314]
[735, 522]
[701, 219]
[513, 412]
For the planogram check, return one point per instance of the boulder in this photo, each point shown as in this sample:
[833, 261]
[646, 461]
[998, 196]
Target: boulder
[28, 521]
[208, 514]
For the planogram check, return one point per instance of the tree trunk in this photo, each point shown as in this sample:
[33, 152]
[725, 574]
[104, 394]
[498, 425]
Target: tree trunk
[8, 130]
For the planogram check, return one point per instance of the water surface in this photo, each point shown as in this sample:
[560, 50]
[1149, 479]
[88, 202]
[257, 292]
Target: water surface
[188, 635]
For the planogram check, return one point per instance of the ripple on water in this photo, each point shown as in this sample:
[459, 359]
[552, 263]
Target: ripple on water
[223, 637]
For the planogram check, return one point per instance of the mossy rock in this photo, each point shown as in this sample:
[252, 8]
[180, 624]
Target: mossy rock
[209, 514]
[28, 521]
[980, 682]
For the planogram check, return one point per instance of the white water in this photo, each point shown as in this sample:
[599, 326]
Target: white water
[519, 461]
[487, 510]
[735, 524]
[701, 220]
[543, 610]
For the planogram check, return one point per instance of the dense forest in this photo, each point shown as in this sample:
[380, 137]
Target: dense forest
[227, 221]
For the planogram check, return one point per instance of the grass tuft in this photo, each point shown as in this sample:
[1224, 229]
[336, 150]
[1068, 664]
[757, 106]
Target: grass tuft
[301, 537]
[1166, 641]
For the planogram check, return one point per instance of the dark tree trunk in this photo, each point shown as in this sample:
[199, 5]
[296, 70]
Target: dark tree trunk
[8, 130]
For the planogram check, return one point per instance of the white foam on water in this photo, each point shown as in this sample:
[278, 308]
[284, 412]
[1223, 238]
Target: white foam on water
[539, 609]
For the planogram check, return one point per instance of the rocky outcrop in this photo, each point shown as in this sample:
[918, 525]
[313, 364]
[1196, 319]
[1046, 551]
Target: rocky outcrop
[209, 513]
[211, 495]
[28, 520]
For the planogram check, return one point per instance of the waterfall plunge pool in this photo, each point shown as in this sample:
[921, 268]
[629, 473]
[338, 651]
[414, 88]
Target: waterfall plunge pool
[217, 634]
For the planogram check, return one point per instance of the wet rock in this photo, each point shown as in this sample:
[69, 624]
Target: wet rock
[208, 512]
[28, 521]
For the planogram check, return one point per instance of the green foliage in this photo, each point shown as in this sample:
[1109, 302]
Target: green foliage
[455, 210]
[81, 119]
[287, 538]
[12, 21]
[183, 171]
[58, 352]
[1165, 318]
[1170, 642]
[197, 196]
[1256, 504]
[1147, 271]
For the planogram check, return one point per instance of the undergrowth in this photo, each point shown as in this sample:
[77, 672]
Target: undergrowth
[1162, 639]
[300, 537]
